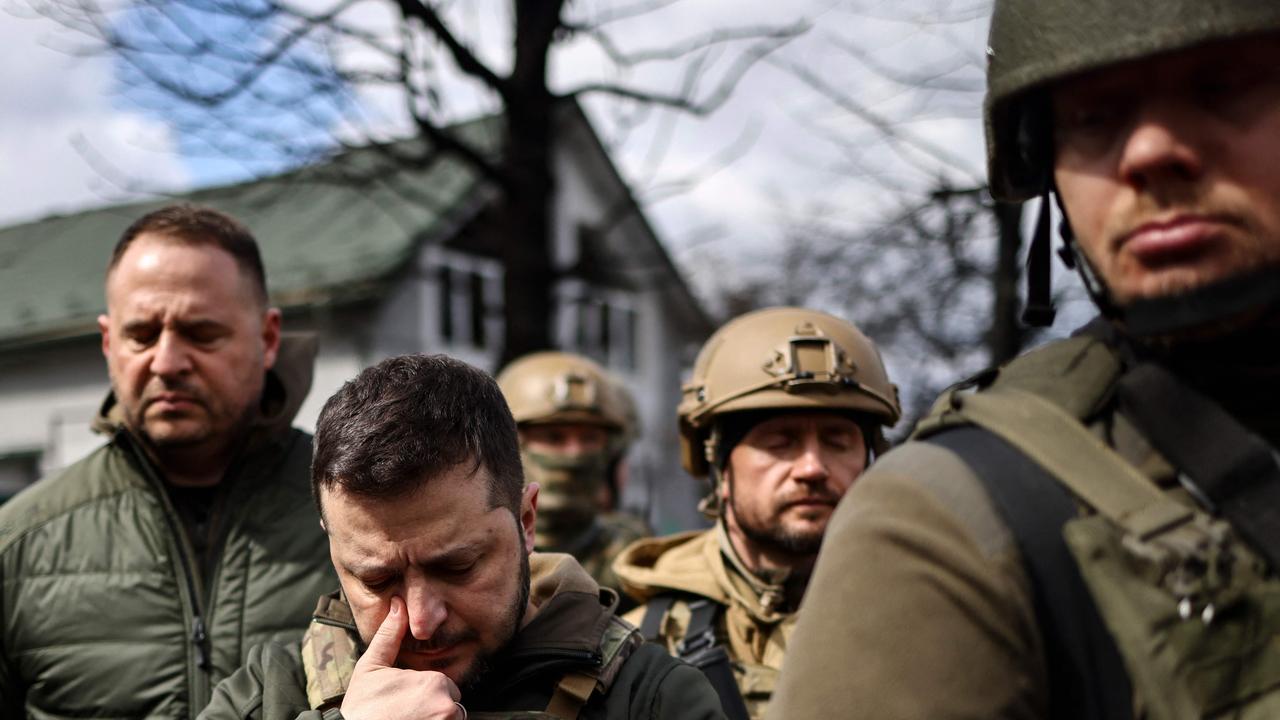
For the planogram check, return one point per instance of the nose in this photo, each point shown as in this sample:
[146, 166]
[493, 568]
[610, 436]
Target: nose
[169, 357]
[426, 609]
[1161, 146]
[810, 465]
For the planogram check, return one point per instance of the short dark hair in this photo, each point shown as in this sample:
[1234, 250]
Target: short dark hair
[410, 419]
[196, 225]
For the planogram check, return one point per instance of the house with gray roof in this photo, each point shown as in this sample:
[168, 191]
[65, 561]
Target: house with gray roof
[377, 260]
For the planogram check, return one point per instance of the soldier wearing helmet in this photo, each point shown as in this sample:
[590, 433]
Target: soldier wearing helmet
[1091, 530]
[576, 423]
[785, 409]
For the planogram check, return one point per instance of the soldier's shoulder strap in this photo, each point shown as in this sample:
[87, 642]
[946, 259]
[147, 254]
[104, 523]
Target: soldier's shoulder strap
[1085, 672]
[571, 694]
[1021, 431]
[1078, 375]
[700, 646]
[330, 649]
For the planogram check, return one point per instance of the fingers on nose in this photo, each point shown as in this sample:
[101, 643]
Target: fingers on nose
[426, 614]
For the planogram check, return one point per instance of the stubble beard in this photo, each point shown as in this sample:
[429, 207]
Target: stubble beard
[196, 445]
[475, 673]
[775, 535]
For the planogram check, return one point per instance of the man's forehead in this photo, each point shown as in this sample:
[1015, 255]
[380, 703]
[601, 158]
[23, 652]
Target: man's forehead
[459, 493]
[367, 531]
[204, 281]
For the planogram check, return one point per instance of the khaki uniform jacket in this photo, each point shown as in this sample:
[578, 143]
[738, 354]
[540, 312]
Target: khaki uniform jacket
[755, 625]
[563, 637]
[920, 606]
[103, 613]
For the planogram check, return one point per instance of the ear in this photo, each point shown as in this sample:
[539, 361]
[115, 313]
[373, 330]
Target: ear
[722, 487]
[104, 327]
[270, 337]
[529, 514]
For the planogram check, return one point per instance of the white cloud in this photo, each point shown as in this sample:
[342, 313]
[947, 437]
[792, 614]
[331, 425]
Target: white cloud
[63, 146]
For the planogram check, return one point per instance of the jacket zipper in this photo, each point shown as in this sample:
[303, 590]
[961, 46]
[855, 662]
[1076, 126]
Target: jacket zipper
[199, 635]
[548, 659]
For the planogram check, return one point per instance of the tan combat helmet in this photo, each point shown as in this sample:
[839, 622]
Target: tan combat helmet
[783, 358]
[560, 387]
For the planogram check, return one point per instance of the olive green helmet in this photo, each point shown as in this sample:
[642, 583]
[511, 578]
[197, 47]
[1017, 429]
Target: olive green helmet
[560, 387]
[1034, 43]
[783, 358]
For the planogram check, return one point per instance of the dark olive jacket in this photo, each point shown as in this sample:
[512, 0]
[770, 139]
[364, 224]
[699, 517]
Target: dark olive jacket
[565, 636]
[103, 613]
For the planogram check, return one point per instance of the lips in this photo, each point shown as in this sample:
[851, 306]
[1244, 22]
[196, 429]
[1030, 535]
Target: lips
[171, 402]
[811, 502]
[1172, 238]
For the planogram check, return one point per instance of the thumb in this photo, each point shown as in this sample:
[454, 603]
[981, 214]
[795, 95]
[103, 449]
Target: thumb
[384, 646]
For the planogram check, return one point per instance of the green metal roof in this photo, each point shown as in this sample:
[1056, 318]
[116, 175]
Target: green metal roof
[323, 237]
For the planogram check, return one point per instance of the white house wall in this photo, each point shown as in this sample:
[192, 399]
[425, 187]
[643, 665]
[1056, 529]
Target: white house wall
[48, 397]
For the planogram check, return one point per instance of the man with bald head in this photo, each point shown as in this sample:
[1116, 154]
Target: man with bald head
[134, 580]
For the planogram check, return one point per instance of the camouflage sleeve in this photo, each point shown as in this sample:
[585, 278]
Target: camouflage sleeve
[269, 686]
[918, 608]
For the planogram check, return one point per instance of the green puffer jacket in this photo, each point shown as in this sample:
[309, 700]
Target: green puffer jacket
[573, 633]
[103, 612]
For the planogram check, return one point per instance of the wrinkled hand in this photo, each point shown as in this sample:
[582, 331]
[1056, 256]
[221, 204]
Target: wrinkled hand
[381, 691]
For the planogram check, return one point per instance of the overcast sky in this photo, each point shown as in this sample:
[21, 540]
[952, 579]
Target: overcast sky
[68, 140]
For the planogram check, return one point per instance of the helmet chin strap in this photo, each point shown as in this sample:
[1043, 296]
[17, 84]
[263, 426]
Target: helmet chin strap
[1217, 308]
[1039, 311]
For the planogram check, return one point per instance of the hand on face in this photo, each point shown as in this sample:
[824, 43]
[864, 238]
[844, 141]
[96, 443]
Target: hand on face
[381, 691]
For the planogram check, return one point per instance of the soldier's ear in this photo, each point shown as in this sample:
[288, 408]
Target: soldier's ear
[725, 477]
[104, 326]
[529, 514]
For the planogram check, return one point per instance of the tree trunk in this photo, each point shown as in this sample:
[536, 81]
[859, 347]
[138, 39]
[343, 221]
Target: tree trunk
[1006, 334]
[526, 212]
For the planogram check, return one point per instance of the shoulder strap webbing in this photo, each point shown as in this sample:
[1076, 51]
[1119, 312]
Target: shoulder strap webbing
[571, 693]
[654, 612]
[1068, 451]
[700, 649]
[1232, 469]
[1086, 675]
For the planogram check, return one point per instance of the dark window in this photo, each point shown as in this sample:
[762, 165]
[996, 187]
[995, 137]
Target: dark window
[446, 303]
[626, 344]
[17, 470]
[478, 310]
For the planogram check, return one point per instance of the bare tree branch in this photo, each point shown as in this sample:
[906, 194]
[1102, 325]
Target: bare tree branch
[461, 54]
[879, 122]
[629, 11]
[683, 101]
[688, 47]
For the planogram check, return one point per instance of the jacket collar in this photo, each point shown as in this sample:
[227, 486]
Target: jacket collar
[701, 563]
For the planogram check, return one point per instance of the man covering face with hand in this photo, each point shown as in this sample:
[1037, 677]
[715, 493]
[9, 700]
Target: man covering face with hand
[444, 607]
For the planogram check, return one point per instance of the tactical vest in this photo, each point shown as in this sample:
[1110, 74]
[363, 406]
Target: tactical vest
[1188, 604]
[331, 647]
